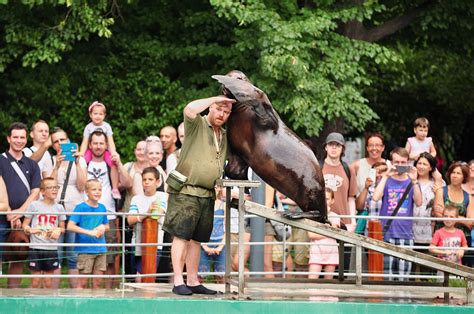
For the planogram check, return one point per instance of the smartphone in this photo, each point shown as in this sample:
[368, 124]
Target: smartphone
[68, 150]
[402, 169]
[373, 174]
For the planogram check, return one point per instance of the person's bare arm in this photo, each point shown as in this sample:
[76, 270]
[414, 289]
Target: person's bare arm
[84, 145]
[71, 226]
[16, 214]
[432, 150]
[269, 195]
[356, 165]
[195, 107]
[111, 144]
[81, 174]
[126, 181]
[315, 236]
[378, 193]
[137, 187]
[417, 196]
[38, 155]
[362, 197]
[4, 206]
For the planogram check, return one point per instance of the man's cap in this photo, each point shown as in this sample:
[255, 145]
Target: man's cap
[335, 137]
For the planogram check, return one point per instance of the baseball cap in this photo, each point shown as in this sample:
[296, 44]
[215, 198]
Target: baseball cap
[335, 137]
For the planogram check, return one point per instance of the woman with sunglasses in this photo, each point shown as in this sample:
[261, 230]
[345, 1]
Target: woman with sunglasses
[375, 145]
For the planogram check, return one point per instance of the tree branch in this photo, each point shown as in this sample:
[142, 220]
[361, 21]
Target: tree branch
[356, 30]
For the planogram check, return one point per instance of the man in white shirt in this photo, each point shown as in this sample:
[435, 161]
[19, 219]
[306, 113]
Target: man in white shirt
[98, 169]
[39, 151]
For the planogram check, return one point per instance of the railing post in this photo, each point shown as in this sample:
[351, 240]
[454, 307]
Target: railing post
[283, 262]
[446, 284]
[241, 242]
[341, 261]
[122, 284]
[358, 265]
[469, 292]
[228, 249]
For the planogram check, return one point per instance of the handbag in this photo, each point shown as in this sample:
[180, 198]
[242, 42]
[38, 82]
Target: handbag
[66, 180]
[17, 253]
[176, 180]
[361, 222]
[282, 231]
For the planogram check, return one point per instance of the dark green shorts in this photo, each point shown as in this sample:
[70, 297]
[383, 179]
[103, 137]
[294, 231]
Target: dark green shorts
[189, 217]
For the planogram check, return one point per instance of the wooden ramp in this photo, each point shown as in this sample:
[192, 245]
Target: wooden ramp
[360, 241]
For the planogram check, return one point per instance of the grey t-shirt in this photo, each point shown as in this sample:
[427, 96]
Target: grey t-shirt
[40, 219]
[105, 127]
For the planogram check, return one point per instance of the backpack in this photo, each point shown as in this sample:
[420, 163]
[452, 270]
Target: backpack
[347, 170]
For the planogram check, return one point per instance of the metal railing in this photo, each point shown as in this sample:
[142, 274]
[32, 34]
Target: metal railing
[285, 243]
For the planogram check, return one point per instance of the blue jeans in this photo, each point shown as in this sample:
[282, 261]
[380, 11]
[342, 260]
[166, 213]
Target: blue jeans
[138, 261]
[4, 231]
[68, 252]
[207, 260]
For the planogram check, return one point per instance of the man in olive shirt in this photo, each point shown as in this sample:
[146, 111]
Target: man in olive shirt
[190, 213]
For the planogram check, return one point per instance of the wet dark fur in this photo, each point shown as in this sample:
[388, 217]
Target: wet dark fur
[258, 138]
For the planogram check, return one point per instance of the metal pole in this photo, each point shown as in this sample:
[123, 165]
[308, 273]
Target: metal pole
[257, 225]
[358, 256]
[469, 292]
[227, 239]
[283, 264]
[446, 284]
[241, 242]
[123, 251]
[341, 261]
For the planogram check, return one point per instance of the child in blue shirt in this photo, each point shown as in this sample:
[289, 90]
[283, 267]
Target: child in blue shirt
[90, 229]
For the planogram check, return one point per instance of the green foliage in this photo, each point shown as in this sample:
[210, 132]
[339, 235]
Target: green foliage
[40, 31]
[146, 59]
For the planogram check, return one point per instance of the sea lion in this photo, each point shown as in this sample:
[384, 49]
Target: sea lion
[258, 138]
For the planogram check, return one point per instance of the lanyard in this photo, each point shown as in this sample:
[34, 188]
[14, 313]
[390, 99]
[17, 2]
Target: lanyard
[218, 150]
[216, 142]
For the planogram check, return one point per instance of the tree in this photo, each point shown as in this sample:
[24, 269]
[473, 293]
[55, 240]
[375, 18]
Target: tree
[324, 64]
[40, 31]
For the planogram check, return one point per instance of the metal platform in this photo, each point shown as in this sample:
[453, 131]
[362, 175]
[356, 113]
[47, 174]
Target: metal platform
[360, 242]
[268, 298]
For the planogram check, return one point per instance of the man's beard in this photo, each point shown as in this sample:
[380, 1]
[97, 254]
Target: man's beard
[98, 156]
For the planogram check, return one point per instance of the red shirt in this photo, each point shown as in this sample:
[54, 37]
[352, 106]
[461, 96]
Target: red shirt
[454, 239]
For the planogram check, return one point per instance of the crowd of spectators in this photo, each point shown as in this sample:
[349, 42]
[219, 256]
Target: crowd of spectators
[53, 190]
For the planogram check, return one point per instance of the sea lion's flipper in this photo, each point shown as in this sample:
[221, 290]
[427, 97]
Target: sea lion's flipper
[313, 215]
[236, 168]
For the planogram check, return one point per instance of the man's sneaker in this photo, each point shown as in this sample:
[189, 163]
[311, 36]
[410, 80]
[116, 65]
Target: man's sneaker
[201, 290]
[182, 290]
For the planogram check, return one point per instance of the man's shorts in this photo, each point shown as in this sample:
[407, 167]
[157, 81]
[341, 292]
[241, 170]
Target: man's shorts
[269, 230]
[89, 263]
[300, 251]
[111, 238]
[189, 217]
[43, 260]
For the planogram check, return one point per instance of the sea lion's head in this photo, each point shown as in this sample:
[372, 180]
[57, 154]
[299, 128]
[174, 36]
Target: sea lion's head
[234, 74]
